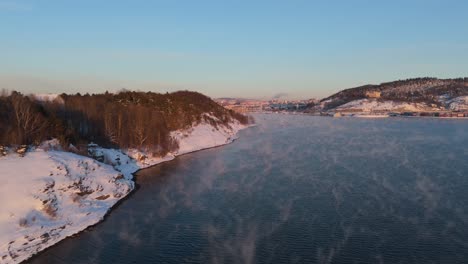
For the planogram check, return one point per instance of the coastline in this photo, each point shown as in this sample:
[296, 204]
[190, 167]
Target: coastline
[130, 172]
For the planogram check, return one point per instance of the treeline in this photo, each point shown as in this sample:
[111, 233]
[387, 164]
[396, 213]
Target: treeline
[125, 120]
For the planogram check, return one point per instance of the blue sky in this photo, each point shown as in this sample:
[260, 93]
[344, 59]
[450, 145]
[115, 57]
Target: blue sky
[228, 48]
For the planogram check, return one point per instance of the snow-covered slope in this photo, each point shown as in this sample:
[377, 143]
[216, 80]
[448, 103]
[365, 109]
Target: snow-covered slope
[371, 105]
[199, 136]
[458, 103]
[49, 195]
[205, 136]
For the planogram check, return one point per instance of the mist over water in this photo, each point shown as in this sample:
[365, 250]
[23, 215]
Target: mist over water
[297, 189]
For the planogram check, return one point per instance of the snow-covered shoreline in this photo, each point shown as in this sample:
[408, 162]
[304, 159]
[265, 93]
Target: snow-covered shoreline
[51, 195]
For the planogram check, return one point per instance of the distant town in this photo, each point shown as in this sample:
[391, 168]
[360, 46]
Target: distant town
[425, 97]
[274, 105]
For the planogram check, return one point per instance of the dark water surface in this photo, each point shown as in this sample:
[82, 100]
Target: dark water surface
[297, 189]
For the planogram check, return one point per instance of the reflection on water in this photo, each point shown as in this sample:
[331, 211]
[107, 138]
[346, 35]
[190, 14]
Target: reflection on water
[297, 189]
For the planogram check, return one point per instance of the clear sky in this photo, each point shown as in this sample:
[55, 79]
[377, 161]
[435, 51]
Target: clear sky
[228, 48]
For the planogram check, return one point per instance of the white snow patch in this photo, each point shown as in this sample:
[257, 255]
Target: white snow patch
[48, 98]
[371, 105]
[458, 103]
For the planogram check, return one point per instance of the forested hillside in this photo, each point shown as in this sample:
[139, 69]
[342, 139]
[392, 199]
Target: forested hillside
[418, 90]
[125, 120]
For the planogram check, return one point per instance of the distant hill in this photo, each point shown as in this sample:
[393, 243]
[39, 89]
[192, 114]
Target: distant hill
[420, 92]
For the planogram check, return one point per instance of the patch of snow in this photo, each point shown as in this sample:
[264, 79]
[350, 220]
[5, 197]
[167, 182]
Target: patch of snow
[120, 161]
[371, 105]
[52, 144]
[443, 98]
[48, 98]
[458, 103]
[144, 159]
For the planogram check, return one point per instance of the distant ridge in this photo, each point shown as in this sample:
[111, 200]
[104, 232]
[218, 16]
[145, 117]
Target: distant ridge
[427, 90]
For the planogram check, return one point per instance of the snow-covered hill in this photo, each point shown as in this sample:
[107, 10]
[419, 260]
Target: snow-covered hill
[50, 195]
[419, 94]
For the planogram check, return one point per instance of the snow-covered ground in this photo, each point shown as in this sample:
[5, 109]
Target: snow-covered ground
[47, 196]
[458, 103]
[371, 105]
[205, 136]
[50, 195]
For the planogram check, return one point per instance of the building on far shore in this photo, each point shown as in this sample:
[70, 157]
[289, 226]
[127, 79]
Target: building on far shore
[252, 105]
[373, 94]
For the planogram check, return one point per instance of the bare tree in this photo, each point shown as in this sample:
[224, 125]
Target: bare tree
[140, 136]
[109, 127]
[28, 121]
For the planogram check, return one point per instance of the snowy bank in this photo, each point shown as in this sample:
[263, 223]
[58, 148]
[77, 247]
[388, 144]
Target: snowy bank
[205, 136]
[50, 195]
[199, 136]
[47, 196]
